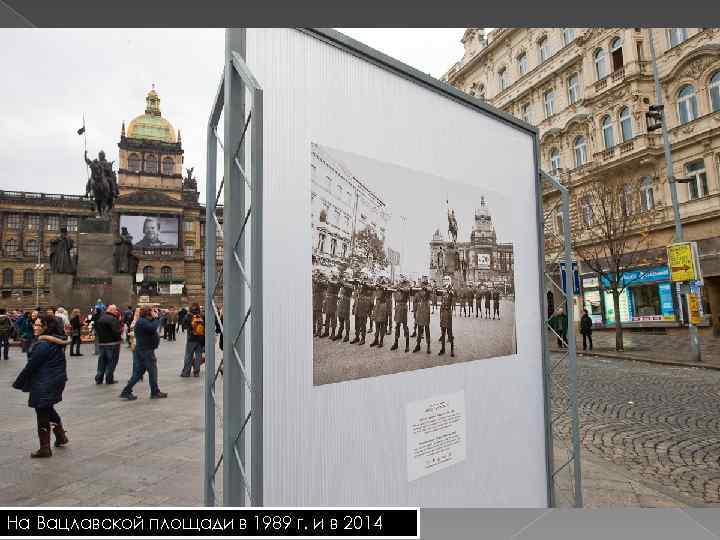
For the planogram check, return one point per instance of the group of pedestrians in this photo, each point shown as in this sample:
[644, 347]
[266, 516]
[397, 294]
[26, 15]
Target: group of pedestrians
[45, 334]
[558, 322]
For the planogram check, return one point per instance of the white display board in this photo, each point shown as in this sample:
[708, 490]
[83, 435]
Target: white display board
[346, 443]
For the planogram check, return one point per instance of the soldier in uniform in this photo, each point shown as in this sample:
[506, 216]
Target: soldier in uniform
[434, 297]
[487, 296]
[362, 310]
[343, 307]
[446, 316]
[381, 314]
[496, 303]
[423, 314]
[415, 301]
[476, 294]
[330, 304]
[402, 298]
[319, 286]
[462, 298]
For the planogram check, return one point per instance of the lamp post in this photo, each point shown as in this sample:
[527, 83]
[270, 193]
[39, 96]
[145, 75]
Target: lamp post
[39, 268]
[660, 114]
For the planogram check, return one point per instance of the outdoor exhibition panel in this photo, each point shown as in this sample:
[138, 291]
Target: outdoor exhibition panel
[353, 440]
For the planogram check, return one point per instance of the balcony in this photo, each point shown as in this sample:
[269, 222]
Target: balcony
[627, 147]
[601, 85]
[605, 155]
[618, 75]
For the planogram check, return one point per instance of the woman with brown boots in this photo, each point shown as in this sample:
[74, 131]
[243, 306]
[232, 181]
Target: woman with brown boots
[44, 377]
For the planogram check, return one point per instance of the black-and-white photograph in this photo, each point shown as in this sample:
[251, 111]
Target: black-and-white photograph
[151, 231]
[410, 270]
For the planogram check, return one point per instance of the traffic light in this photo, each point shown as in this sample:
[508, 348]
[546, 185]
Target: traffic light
[654, 117]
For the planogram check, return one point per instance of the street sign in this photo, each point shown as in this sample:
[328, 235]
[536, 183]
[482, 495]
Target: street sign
[682, 261]
[576, 278]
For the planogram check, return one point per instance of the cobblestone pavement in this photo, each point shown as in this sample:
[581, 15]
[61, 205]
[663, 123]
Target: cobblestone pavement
[474, 338]
[661, 424]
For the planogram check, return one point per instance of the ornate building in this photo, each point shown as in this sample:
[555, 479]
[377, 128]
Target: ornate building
[587, 90]
[151, 183]
[481, 261]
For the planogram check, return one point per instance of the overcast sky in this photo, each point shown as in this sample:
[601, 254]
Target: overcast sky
[52, 77]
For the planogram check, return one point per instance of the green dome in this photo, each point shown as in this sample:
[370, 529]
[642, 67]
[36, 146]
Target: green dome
[152, 125]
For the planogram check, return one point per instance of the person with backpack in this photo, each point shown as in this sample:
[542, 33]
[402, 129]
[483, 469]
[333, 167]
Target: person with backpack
[5, 330]
[145, 340]
[195, 345]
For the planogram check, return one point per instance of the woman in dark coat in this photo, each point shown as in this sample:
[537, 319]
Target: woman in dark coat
[76, 326]
[44, 377]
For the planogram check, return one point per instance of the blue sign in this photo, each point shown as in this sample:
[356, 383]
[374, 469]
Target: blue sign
[636, 277]
[667, 309]
[576, 278]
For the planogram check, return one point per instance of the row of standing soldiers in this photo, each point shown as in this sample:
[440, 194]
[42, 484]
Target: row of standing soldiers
[335, 300]
[473, 299]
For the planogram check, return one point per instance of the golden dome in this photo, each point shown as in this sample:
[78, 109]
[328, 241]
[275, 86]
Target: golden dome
[151, 125]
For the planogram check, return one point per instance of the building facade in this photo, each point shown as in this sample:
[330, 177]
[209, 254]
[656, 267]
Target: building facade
[587, 90]
[481, 260]
[151, 184]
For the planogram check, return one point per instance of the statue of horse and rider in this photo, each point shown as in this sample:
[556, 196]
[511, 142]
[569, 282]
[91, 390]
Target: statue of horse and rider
[102, 183]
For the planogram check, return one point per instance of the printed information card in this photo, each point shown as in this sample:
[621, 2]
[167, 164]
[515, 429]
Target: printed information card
[435, 434]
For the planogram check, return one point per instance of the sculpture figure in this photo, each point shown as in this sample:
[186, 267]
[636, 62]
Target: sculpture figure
[61, 261]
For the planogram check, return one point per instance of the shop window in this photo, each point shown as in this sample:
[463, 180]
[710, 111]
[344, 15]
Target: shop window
[646, 300]
[699, 186]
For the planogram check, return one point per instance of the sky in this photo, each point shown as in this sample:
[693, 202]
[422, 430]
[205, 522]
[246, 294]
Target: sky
[426, 210]
[52, 78]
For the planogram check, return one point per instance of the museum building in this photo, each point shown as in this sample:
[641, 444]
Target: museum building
[151, 184]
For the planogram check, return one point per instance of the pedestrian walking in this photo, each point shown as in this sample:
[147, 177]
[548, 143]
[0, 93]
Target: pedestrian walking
[586, 330]
[5, 330]
[172, 323]
[181, 318]
[146, 340]
[44, 377]
[558, 322]
[195, 344]
[75, 333]
[109, 338]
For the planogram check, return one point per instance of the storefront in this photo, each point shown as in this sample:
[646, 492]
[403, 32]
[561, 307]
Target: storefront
[592, 301]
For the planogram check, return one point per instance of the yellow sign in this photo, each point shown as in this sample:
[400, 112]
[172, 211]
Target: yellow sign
[694, 309]
[681, 262]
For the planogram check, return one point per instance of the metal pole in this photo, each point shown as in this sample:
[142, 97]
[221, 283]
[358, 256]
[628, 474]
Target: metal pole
[695, 354]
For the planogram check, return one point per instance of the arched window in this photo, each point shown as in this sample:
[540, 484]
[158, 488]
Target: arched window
[11, 248]
[687, 104]
[31, 247]
[7, 277]
[714, 89]
[148, 272]
[502, 79]
[168, 166]
[616, 53]
[543, 49]
[440, 259]
[219, 253]
[28, 276]
[601, 69]
[151, 164]
[568, 35]
[134, 163]
[580, 151]
[166, 272]
[554, 161]
[607, 131]
[522, 64]
[625, 124]
[647, 197]
[676, 36]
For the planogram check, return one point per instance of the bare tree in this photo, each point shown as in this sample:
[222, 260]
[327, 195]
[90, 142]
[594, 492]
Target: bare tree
[368, 251]
[612, 234]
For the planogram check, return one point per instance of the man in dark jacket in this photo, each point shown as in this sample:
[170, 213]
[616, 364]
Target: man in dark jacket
[5, 329]
[109, 338]
[127, 320]
[586, 329]
[559, 323]
[146, 341]
[195, 345]
[496, 303]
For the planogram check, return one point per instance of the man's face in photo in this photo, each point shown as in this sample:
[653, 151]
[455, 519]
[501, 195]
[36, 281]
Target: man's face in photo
[150, 230]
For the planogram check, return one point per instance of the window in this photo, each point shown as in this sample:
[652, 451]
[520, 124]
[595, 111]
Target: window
[219, 253]
[640, 55]
[72, 224]
[46, 277]
[616, 54]
[189, 249]
[714, 89]
[699, 187]
[601, 69]
[502, 79]
[148, 273]
[568, 35]
[554, 161]
[166, 272]
[31, 247]
[625, 124]
[7, 277]
[573, 88]
[321, 243]
[549, 99]
[559, 223]
[168, 166]
[188, 226]
[522, 64]
[525, 113]
[53, 223]
[647, 198]
[687, 104]
[586, 212]
[607, 131]
[580, 151]
[151, 164]
[11, 248]
[676, 36]
[202, 229]
[626, 201]
[33, 222]
[646, 300]
[14, 221]
[333, 246]
[134, 163]
[543, 50]
[28, 276]
[344, 252]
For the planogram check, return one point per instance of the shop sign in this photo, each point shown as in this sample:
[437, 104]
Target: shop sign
[682, 260]
[590, 282]
[667, 309]
[694, 308]
[642, 275]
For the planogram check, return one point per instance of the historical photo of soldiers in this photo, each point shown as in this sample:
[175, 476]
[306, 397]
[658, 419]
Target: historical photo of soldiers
[409, 270]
